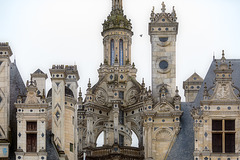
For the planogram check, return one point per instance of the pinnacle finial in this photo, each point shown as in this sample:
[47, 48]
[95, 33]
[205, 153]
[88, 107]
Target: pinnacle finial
[163, 7]
[176, 91]
[143, 83]
[89, 83]
[117, 4]
[80, 95]
[43, 94]
[223, 57]
[174, 15]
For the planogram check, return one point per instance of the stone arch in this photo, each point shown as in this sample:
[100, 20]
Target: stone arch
[162, 142]
[164, 134]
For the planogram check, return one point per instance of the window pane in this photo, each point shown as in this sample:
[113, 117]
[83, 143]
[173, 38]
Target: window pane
[71, 147]
[216, 125]
[229, 125]
[121, 94]
[31, 126]
[230, 142]
[217, 142]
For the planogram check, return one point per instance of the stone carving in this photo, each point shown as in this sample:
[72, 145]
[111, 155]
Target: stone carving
[223, 91]
[132, 96]
[101, 96]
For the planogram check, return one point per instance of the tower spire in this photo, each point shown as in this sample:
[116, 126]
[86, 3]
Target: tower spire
[116, 4]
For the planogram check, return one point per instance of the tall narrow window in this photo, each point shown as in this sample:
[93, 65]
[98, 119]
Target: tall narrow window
[121, 117]
[112, 55]
[223, 136]
[121, 140]
[121, 52]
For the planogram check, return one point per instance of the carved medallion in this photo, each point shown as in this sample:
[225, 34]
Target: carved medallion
[101, 96]
[132, 96]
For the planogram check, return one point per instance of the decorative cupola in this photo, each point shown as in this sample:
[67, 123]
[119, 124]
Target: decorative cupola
[223, 69]
[117, 33]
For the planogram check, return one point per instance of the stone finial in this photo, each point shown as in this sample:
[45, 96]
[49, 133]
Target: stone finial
[133, 65]
[149, 91]
[163, 7]
[43, 94]
[152, 18]
[176, 91]
[216, 64]
[89, 84]
[230, 65]
[80, 95]
[223, 59]
[173, 14]
[143, 83]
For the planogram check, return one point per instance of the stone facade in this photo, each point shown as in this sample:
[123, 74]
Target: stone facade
[5, 54]
[31, 128]
[216, 121]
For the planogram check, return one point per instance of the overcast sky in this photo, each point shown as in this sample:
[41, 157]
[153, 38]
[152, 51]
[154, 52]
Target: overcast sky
[46, 32]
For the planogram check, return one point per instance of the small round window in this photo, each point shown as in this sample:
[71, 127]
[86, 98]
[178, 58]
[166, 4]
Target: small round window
[163, 64]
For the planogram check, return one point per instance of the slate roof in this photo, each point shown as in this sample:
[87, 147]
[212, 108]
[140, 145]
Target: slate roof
[16, 85]
[183, 147]
[39, 71]
[51, 151]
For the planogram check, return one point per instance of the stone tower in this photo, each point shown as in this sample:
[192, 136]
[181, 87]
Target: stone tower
[163, 30]
[113, 105]
[63, 111]
[191, 87]
[5, 54]
[117, 36]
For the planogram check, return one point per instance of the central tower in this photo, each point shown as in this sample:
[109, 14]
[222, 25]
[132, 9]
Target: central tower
[117, 36]
[163, 30]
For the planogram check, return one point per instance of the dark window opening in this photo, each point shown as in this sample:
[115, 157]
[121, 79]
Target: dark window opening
[229, 125]
[121, 140]
[229, 142]
[121, 94]
[121, 117]
[223, 136]
[31, 126]
[217, 125]
[71, 147]
[217, 142]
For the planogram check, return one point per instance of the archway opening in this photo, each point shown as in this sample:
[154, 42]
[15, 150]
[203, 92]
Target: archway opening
[100, 140]
[135, 141]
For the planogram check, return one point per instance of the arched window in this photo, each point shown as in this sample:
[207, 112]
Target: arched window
[112, 54]
[100, 140]
[121, 52]
[135, 141]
